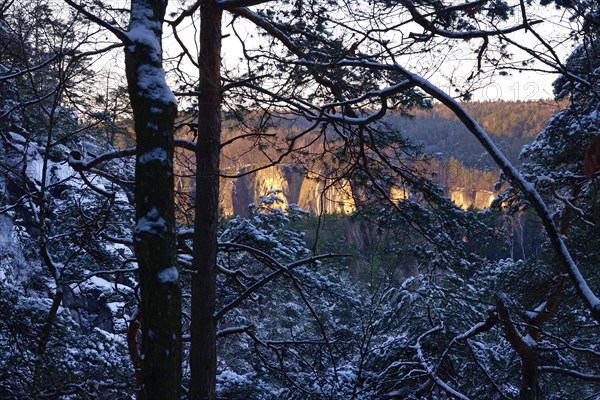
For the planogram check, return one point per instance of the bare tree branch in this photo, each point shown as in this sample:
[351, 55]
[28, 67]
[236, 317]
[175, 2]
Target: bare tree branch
[431, 27]
[119, 33]
[265, 258]
[431, 371]
[570, 372]
[229, 4]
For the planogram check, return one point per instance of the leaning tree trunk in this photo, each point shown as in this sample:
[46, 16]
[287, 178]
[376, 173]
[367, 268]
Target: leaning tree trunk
[154, 111]
[203, 357]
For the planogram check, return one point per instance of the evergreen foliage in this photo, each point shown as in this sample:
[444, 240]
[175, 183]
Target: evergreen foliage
[407, 298]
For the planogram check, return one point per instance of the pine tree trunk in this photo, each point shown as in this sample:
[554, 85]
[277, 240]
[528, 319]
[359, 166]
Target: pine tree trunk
[203, 357]
[529, 376]
[154, 110]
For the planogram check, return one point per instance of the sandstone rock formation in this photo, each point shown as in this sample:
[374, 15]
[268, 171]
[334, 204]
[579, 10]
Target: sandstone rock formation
[311, 191]
[466, 198]
[315, 193]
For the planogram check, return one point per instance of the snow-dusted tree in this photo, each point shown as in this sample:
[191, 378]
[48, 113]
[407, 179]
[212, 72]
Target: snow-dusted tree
[318, 66]
[561, 162]
[154, 110]
[298, 314]
[334, 70]
[53, 218]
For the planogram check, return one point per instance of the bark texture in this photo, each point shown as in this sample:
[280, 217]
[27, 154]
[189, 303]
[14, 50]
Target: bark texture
[526, 345]
[154, 110]
[203, 357]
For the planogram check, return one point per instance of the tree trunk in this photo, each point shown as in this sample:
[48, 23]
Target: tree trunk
[529, 376]
[203, 357]
[154, 111]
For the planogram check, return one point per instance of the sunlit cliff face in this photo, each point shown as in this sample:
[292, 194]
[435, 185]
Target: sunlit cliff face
[398, 194]
[270, 183]
[294, 185]
[315, 193]
[466, 198]
[326, 196]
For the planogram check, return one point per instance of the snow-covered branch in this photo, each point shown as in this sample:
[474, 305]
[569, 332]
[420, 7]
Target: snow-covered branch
[570, 372]
[233, 330]
[481, 327]
[107, 272]
[514, 176]
[28, 103]
[78, 163]
[520, 343]
[30, 69]
[267, 259]
[431, 371]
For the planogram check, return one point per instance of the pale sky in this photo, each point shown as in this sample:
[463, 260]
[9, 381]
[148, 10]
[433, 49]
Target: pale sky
[525, 85]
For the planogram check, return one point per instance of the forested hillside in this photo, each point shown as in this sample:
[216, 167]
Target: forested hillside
[356, 264]
[504, 118]
[512, 124]
[458, 159]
